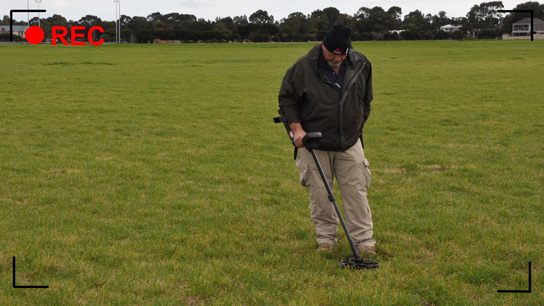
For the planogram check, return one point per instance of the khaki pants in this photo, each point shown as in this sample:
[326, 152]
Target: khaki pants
[353, 177]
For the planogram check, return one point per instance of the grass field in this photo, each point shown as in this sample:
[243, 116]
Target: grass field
[154, 175]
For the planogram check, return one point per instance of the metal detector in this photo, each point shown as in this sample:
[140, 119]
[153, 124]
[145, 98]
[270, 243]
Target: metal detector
[311, 142]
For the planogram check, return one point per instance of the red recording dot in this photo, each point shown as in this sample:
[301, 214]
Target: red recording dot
[34, 35]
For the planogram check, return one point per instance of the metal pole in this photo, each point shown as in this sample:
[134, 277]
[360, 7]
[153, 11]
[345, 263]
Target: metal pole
[38, 1]
[532, 24]
[119, 21]
[115, 2]
[333, 201]
[28, 13]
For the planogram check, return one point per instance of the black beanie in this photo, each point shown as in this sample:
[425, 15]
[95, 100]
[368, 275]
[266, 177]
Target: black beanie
[338, 39]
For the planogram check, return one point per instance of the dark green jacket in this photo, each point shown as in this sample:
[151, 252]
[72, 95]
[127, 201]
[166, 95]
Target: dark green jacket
[307, 96]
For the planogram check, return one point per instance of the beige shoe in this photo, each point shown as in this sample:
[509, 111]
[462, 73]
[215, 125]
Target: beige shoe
[325, 247]
[367, 250]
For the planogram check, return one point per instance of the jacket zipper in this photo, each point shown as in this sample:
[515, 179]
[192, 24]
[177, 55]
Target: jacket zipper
[342, 101]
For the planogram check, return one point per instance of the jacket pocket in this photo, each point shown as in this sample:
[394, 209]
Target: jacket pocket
[307, 110]
[366, 173]
[305, 170]
[360, 103]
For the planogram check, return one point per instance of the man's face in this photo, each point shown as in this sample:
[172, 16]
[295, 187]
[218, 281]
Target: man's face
[334, 60]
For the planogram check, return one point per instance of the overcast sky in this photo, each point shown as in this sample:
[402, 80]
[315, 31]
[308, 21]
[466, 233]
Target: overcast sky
[210, 9]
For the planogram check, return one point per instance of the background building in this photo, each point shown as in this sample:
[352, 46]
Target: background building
[450, 28]
[17, 30]
[522, 29]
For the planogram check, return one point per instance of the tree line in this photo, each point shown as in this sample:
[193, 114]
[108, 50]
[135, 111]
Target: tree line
[482, 21]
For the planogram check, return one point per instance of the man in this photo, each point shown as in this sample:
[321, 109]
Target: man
[329, 90]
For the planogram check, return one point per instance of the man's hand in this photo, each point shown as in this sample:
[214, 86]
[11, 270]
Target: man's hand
[298, 132]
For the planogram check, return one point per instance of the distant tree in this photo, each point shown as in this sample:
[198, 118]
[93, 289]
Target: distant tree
[346, 20]
[386, 19]
[109, 31]
[363, 23]
[484, 20]
[57, 20]
[295, 22]
[125, 20]
[442, 19]
[417, 19]
[332, 14]
[90, 20]
[286, 33]
[475, 15]
[490, 11]
[224, 24]
[154, 17]
[485, 15]
[173, 20]
[319, 22]
[293, 27]
[362, 13]
[378, 21]
[143, 36]
[261, 27]
[395, 12]
[138, 23]
[261, 17]
[33, 21]
[198, 25]
[240, 29]
[240, 19]
[416, 26]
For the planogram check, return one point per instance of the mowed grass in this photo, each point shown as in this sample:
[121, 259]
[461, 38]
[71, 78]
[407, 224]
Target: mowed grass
[154, 175]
